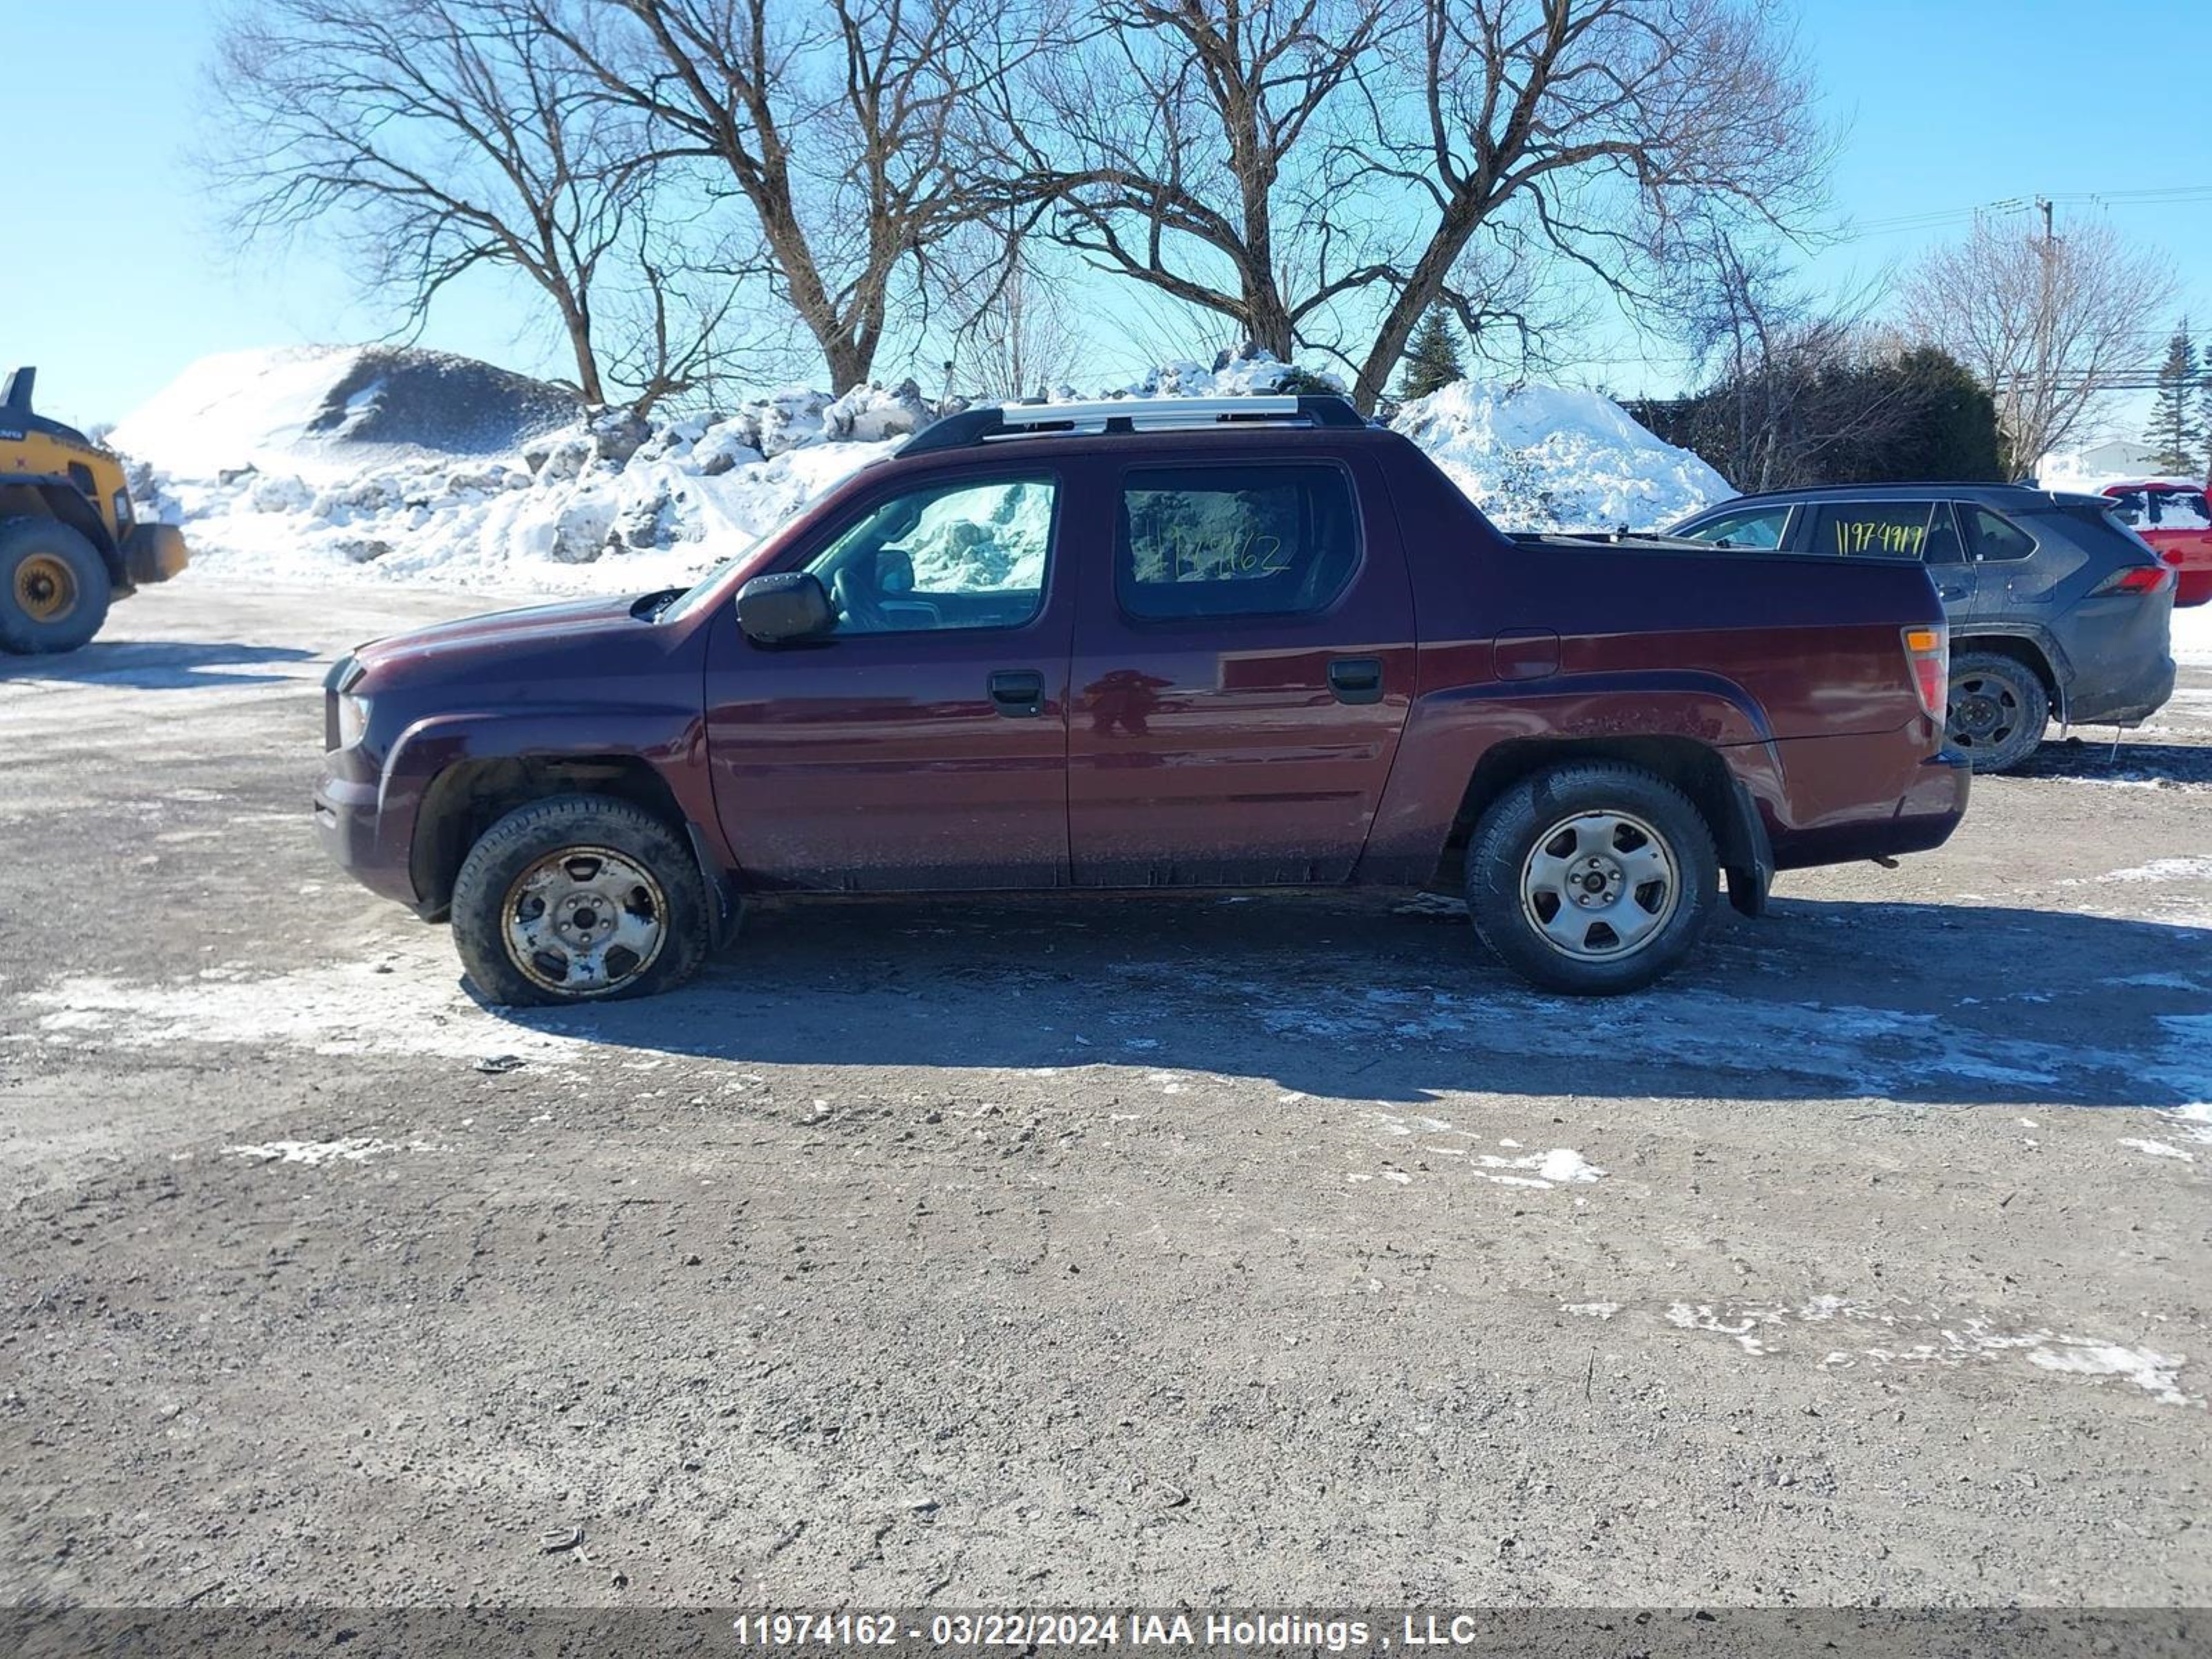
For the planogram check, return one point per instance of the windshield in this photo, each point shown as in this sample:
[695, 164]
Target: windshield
[700, 591]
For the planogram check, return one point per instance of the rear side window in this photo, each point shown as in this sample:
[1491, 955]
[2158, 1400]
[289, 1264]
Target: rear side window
[1234, 541]
[2180, 509]
[1755, 527]
[1991, 535]
[1878, 530]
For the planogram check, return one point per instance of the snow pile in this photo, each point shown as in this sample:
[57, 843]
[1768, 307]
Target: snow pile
[1544, 457]
[300, 465]
[328, 412]
[393, 463]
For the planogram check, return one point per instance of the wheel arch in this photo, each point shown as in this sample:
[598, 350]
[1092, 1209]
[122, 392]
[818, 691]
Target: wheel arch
[24, 495]
[468, 797]
[1698, 769]
[2030, 653]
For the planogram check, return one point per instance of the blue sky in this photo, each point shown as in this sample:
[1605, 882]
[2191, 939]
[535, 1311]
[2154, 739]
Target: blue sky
[123, 277]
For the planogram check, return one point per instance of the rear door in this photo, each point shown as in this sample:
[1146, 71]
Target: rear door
[1244, 660]
[1906, 528]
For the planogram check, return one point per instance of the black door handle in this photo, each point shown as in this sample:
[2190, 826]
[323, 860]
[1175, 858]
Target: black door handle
[1017, 691]
[1356, 679]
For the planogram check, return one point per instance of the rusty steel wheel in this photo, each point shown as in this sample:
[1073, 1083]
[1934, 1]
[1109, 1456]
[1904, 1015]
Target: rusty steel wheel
[46, 588]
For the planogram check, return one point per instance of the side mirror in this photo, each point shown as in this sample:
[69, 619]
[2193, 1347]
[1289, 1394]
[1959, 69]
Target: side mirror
[791, 605]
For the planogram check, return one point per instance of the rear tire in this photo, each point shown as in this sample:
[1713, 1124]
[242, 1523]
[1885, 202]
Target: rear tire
[54, 589]
[1542, 844]
[1996, 712]
[579, 898]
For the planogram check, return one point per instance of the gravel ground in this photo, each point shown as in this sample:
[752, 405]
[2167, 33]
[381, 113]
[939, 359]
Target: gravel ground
[1277, 1249]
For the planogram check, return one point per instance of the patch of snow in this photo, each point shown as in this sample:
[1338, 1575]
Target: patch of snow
[2156, 1374]
[414, 1006]
[1591, 1309]
[1928, 1337]
[353, 1150]
[2192, 637]
[2157, 1148]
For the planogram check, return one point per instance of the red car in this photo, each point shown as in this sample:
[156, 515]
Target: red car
[2176, 520]
[1233, 642]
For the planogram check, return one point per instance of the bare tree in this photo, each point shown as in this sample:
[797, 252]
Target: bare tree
[839, 123]
[1020, 336]
[1603, 125]
[432, 139]
[1186, 144]
[2042, 320]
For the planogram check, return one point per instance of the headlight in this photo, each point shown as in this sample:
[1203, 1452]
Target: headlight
[123, 506]
[353, 719]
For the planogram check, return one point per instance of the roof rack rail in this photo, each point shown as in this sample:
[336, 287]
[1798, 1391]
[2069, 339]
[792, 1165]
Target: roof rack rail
[1128, 415]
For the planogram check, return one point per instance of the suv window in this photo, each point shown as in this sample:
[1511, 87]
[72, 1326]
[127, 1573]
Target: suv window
[2130, 508]
[1234, 541]
[946, 555]
[2180, 509]
[1883, 530]
[1756, 527]
[1992, 536]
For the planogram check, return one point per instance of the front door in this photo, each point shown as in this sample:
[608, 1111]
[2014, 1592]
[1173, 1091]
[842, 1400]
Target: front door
[1244, 661]
[921, 744]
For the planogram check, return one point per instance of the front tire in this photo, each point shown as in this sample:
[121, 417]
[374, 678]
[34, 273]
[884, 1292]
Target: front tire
[1592, 879]
[1996, 712]
[579, 898]
[54, 590]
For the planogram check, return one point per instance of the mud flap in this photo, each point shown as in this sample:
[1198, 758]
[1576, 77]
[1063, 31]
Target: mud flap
[727, 910]
[1747, 854]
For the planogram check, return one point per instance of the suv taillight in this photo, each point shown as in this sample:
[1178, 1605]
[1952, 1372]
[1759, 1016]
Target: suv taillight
[2145, 578]
[1929, 650]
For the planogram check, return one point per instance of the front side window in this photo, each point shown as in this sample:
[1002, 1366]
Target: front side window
[1880, 530]
[1234, 541]
[1758, 527]
[1992, 536]
[943, 556]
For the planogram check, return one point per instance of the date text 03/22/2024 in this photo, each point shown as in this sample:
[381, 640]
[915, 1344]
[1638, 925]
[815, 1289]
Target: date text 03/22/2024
[1103, 1629]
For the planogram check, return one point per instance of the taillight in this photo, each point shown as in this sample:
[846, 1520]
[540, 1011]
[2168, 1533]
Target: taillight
[1929, 650]
[2135, 579]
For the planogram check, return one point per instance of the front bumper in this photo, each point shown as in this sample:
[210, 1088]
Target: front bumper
[153, 553]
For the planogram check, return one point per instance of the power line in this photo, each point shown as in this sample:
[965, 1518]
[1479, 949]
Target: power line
[1937, 217]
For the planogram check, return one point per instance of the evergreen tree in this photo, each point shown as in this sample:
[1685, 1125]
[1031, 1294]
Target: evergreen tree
[2204, 420]
[1432, 359]
[2176, 420]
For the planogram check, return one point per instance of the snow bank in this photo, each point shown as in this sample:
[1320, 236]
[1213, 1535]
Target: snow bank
[1543, 457]
[2192, 637]
[394, 463]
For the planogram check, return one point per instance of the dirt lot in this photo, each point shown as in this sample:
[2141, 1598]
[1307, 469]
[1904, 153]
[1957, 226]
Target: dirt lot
[1274, 1249]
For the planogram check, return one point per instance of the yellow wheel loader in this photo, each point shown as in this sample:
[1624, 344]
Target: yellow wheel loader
[69, 545]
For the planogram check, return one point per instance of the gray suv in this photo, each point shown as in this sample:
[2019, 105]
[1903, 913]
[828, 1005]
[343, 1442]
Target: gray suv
[2056, 608]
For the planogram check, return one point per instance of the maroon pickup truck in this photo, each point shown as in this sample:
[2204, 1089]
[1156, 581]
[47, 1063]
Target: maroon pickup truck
[1220, 643]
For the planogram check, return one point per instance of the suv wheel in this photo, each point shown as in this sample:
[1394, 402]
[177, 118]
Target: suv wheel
[1996, 712]
[1594, 880]
[54, 590]
[576, 899]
